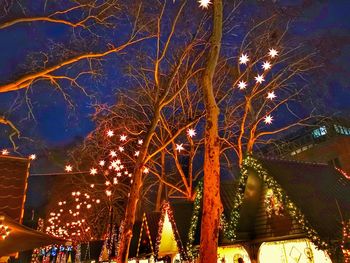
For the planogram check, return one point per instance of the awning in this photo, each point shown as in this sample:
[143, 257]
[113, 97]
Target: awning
[22, 238]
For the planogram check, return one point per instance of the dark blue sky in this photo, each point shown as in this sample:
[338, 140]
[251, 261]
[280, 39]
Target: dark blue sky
[56, 124]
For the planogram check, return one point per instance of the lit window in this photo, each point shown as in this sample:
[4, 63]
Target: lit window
[319, 132]
[341, 129]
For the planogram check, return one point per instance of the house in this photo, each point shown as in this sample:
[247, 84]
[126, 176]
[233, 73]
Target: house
[288, 210]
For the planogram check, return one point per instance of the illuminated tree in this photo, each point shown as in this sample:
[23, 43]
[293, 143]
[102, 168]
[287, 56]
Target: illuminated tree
[89, 46]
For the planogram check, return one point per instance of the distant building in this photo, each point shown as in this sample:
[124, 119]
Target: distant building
[325, 142]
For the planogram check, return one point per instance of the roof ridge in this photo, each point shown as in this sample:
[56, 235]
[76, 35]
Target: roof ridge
[292, 161]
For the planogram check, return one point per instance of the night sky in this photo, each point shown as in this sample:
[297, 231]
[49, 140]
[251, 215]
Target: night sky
[56, 125]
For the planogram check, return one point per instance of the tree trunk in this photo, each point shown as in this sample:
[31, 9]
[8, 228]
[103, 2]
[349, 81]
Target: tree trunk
[212, 207]
[161, 185]
[135, 190]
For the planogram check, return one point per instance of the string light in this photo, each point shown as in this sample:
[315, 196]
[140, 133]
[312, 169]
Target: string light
[268, 119]
[271, 95]
[179, 147]
[123, 138]
[259, 79]
[191, 132]
[68, 168]
[242, 85]
[243, 59]
[266, 65]
[102, 163]
[273, 53]
[32, 157]
[110, 133]
[93, 171]
[204, 3]
[5, 152]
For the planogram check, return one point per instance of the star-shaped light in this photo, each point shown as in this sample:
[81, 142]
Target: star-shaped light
[273, 52]
[32, 157]
[259, 79]
[145, 170]
[123, 137]
[204, 3]
[110, 133]
[140, 142]
[243, 59]
[92, 185]
[179, 147]
[242, 85]
[113, 153]
[271, 95]
[137, 153]
[68, 168]
[5, 152]
[191, 132]
[268, 119]
[121, 148]
[93, 171]
[266, 65]
[108, 193]
[102, 163]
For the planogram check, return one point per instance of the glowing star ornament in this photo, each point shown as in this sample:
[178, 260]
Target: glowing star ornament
[93, 171]
[123, 138]
[268, 119]
[5, 152]
[242, 85]
[32, 157]
[204, 3]
[113, 153]
[68, 168]
[121, 148]
[102, 163]
[243, 59]
[259, 79]
[273, 53]
[271, 95]
[110, 133]
[191, 132]
[108, 193]
[145, 170]
[179, 147]
[266, 65]
[140, 142]
[137, 153]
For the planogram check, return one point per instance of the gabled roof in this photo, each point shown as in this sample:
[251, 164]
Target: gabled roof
[317, 190]
[13, 186]
[22, 238]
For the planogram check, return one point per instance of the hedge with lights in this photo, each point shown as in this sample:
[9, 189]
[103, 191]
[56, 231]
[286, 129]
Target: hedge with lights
[250, 163]
[191, 252]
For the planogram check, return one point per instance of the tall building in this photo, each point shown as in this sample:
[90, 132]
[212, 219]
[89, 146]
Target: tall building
[328, 141]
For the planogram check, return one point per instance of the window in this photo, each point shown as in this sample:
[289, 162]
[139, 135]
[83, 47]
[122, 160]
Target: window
[319, 132]
[341, 129]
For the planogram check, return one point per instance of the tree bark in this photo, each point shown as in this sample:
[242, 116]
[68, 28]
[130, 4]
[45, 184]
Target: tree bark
[212, 207]
[161, 185]
[130, 213]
